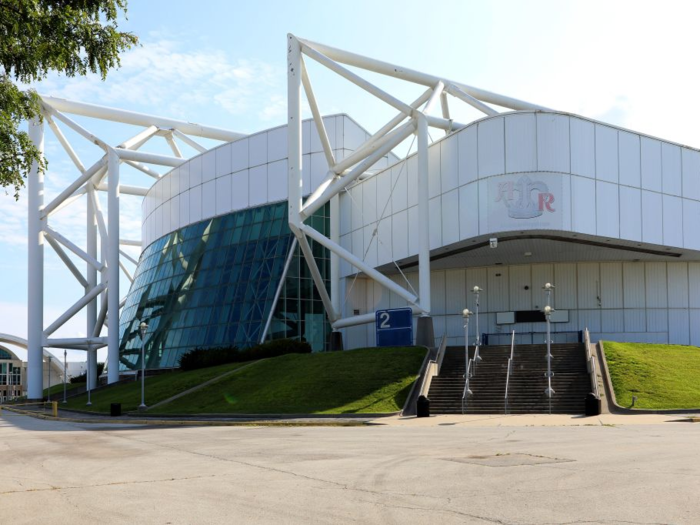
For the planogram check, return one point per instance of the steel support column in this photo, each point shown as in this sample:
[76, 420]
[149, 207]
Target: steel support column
[113, 266]
[35, 270]
[91, 309]
[425, 334]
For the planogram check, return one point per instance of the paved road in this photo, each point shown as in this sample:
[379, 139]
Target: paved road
[54, 472]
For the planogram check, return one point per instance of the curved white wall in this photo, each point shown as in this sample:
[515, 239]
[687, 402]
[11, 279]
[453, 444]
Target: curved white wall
[242, 174]
[604, 181]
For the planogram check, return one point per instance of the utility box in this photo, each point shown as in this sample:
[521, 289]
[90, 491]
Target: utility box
[115, 409]
[423, 407]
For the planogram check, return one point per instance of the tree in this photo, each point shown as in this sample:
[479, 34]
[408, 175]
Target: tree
[73, 37]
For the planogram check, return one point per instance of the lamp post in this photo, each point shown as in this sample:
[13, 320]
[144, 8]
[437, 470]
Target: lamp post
[476, 291]
[49, 390]
[548, 287]
[466, 314]
[143, 328]
[87, 376]
[65, 374]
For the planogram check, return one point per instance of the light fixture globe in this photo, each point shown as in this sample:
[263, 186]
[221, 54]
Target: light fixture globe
[466, 313]
[143, 328]
[476, 289]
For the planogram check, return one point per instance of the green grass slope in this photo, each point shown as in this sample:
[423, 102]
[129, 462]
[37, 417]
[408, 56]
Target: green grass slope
[56, 391]
[661, 376]
[371, 380]
[158, 388]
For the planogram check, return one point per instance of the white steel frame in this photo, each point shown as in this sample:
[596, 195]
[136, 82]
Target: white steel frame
[108, 262]
[413, 118]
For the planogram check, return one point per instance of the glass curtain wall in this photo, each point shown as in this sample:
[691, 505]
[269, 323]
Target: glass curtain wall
[212, 284]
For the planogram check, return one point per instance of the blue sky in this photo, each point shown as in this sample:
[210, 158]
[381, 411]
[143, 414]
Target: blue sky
[223, 63]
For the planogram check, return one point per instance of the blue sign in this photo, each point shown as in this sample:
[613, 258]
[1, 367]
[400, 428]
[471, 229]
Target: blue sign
[394, 327]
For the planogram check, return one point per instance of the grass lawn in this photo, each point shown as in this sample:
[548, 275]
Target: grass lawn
[57, 390]
[158, 388]
[661, 376]
[370, 380]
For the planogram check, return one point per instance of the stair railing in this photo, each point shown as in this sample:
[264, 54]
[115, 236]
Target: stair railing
[510, 369]
[590, 361]
[467, 392]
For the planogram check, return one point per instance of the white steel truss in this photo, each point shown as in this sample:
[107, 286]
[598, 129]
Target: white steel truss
[412, 119]
[101, 176]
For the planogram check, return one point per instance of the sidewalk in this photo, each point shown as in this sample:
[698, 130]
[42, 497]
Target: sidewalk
[534, 420]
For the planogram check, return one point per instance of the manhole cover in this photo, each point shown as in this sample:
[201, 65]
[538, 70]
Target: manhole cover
[507, 460]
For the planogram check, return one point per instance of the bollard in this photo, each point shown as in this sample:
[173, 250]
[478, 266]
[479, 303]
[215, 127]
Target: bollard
[54, 408]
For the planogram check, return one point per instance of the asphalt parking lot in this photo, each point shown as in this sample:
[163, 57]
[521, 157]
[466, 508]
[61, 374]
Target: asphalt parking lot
[444, 472]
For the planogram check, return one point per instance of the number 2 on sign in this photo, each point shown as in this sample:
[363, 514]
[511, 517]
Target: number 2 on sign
[384, 320]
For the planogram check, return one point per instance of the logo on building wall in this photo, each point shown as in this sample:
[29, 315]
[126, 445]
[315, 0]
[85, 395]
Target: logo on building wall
[525, 199]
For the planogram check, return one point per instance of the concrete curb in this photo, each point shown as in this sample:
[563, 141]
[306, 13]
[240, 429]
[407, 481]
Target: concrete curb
[615, 408]
[193, 422]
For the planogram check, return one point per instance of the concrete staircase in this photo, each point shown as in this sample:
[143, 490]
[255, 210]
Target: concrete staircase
[527, 383]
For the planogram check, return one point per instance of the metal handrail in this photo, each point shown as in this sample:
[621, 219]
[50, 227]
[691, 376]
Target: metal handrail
[590, 360]
[510, 368]
[467, 392]
[476, 358]
[441, 353]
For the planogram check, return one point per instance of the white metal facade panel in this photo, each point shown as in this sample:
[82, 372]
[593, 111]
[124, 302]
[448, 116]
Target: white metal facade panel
[477, 277]
[677, 285]
[449, 163]
[369, 251]
[651, 164]
[691, 174]
[413, 230]
[491, 147]
[437, 293]
[565, 286]
[694, 284]
[583, 197]
[521, 143]
[399, 184]
[239, 190]
[357, 212]
[369, 200]
[497, 289]
[399, 239]
[455, 291]
[590, 319]
[277, 181]
[606, 153]
[635, 320]
[657, 320]
[613, 321]
[520, 288]
[208, 165]
[553, 150]
[671, 169]
[257, 185]
[691, 219]
[469, 211]
[588, 285]
[541, 274]
[582, 147]
[652, 217]
[412, 180]
[656, 285]
[435, 213]
[208, 199]
[673, 221]
[434, 185]
[607, 209]
[611, 285]
[223, 160]
[468, 156]
[385, 253]
[694, 317]
[633, 285]
[630, 158]
[223, 194]
[384, 195]
[239, 155]
[450, 217]
[630, 213]
[195, 204]
[678, 327]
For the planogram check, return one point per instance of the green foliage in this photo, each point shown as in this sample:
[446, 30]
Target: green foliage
[206, 357]
[370, 380]
[82, 378]
[73, 37]
[661, 376]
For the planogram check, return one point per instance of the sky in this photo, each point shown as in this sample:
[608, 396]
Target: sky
[223, 63]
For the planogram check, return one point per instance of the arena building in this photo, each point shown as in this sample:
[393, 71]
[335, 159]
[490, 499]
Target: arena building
[306, 230]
